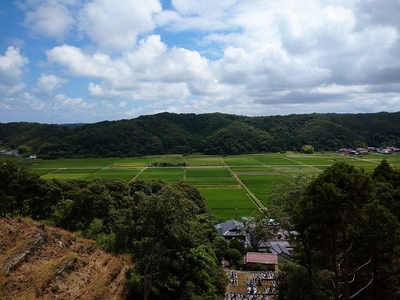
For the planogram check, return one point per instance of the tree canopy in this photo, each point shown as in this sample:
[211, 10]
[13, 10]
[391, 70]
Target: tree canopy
[347, 242]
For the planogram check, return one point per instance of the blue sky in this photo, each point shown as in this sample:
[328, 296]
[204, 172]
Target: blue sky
[84, 61]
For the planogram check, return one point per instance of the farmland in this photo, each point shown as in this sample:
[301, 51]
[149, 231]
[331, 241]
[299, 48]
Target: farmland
[228, 183]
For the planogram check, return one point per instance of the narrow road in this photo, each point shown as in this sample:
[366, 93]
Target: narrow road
[253, 197]
[138, 174]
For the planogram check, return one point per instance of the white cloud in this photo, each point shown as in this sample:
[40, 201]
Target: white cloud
[11, 71]
[247, 57]
[153, 61]
[206, 15]
[50, 18]
[47, 83]
[133, 113]
[33, 102]
[339, 89]
[62, 101]
[151, 71]
[78, 63]
[116, 24]
[150, 91]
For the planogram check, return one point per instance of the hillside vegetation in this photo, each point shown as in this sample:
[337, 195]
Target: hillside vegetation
[165, 229]
[215, 133]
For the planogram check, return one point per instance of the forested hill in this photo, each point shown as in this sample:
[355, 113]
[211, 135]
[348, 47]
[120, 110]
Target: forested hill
[213, 133]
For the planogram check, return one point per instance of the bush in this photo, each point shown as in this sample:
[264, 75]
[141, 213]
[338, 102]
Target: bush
[235, 258]
[308, 149]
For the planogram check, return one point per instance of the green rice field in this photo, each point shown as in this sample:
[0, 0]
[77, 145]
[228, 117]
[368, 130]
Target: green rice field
[229, 203]
[215, 177]
[227, 183]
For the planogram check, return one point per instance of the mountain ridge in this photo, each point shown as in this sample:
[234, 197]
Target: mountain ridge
[211, 133]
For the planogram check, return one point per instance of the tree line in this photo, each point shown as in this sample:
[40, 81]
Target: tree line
[214, 133]
[166, 228]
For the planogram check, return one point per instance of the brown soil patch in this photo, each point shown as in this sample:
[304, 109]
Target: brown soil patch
[41, 262]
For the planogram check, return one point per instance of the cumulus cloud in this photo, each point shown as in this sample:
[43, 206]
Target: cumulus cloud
[116, 24]
[378, 13]
[33, 102]
[11, 71]
[78, 63]
[62, 101]
[50, 18]
[47, 83]
[151, 71]
[206, 15]
[247, 57]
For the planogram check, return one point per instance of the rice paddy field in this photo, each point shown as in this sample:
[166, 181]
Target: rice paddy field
[231, 185]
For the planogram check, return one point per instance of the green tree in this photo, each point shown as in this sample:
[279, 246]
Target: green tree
[170, 234]
[388, 187]
[324, 216]
[25, 193]
[292, 283]
[8, 188]
[308, 149]
[237, 138]
[283, 198]
[376, 253]
[237, 245]
[235, 258]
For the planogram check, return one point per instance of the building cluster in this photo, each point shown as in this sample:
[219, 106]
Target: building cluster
[9, 152]
[16, 153]
[250, 283]
[368, 150]
[277, 246]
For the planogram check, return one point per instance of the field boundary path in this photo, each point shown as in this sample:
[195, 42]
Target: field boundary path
[138, 174]
[300, 163]
[261, 207]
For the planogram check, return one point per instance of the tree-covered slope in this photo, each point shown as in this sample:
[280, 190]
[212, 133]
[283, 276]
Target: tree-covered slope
[213, 133]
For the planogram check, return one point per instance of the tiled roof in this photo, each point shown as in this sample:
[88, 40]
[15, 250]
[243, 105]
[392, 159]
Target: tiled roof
[278, 248]
[261, 258]
[230, 228]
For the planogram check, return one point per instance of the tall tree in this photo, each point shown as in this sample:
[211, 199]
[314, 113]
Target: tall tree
[376, 253]
[388, 187]
[323, 217]
[170, 234]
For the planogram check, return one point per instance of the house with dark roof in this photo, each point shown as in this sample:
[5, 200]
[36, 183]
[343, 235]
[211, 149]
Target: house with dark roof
[281, 248]
[231, 229]
[277, 245]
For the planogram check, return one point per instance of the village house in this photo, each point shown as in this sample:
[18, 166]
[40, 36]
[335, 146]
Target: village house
[231, 229]
[268, 260]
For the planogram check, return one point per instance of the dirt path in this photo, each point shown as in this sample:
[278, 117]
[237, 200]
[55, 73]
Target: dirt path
[261, 207]
[138, 174]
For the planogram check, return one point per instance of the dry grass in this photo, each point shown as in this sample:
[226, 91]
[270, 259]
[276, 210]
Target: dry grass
[62, 266]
